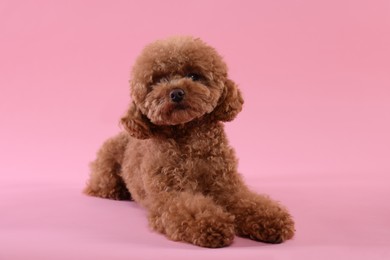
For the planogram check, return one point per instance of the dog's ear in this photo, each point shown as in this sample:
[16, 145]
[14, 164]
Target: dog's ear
[136, 124]
[230, 102]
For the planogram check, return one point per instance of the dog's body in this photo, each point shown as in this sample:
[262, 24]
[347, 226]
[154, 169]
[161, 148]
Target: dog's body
[174, 158]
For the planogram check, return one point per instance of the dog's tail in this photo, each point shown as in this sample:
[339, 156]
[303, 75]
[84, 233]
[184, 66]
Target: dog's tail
[105, 180]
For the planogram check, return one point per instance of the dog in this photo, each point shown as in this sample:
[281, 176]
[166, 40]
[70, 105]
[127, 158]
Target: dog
[174, 158]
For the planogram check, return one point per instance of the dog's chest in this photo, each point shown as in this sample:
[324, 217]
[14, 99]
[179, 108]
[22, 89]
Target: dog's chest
[192, 164]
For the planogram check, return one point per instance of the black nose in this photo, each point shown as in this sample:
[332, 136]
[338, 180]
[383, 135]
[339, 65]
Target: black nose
[176, 95]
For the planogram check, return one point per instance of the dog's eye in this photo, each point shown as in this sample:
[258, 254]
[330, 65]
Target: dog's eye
[193, 76]
[159, 78]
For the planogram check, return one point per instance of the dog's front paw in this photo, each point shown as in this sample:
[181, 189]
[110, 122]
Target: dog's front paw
[208, 233]
[273, 226]
[194, 219]
[276, 230]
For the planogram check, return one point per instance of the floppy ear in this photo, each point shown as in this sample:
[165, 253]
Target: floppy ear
[136, 124]
[230, 102]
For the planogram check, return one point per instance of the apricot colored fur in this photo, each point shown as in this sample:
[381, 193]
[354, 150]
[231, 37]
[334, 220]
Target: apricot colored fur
[174, 157]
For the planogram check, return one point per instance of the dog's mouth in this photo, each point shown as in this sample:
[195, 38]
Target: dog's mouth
[173, 107]
[176, 113]
[165, 112]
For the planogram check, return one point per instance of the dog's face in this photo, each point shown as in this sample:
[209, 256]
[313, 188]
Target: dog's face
[177, 80]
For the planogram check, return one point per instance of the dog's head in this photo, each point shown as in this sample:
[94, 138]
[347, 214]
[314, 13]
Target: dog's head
[178, 80]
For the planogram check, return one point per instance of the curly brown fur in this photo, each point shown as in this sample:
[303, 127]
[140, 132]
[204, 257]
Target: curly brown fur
[174, 157]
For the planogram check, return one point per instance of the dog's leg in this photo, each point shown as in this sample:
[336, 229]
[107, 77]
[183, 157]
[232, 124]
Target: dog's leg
[193, 218]
[105, 180]
[260, 218]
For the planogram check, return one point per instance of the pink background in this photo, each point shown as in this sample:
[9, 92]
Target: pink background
[314, 132]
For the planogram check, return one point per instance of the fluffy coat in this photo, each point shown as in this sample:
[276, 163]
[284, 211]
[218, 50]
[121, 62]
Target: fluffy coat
[174, 157]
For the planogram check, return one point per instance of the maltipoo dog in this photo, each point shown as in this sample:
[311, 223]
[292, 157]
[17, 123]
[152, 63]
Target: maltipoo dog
[174, 157]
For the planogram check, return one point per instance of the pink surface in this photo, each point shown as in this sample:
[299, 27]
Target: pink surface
[314, 132]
